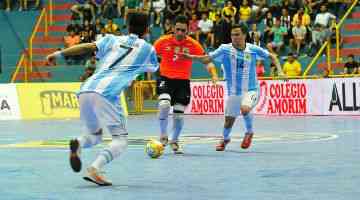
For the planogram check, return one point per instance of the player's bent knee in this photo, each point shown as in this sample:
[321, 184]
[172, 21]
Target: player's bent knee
[164, 101]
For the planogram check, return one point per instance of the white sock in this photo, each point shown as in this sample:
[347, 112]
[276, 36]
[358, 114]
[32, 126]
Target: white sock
[117, 146]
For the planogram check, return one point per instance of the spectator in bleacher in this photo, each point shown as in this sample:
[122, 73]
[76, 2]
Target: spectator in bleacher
[8, 5]
[159, 6]
[131, 7]
[98, 26]
[229, 11]
[268, 22]
[213, 11]
[98, 7]
[168, 27]
[351, 66]
[259, 8]
[73, 26]
[285, 21]
[260, 68]
[203, 6]
[324, 18]
[109, 9]
[292, 66]
[273, 70]
[303, 17]
[299, 37]
[255, 35]
[71, 39]
[226, 27]
[217, 32]
[84, 9]
[205, 25]
[87, 33]
[111, 27]
[278, 32]
[190, 7]
[173, 8]
[193, 26]
[245, 12]
[318, 37]
[22, 5]
[311, 7]
[293, 6]
[145, 6]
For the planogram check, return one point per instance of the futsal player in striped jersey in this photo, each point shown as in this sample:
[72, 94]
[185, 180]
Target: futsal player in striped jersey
[121, 59]
[173, 85]
[239, 61]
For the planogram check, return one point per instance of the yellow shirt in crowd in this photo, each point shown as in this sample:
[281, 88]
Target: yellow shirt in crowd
[292, 69]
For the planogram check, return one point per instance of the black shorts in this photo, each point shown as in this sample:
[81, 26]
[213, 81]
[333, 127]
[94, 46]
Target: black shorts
[178, 89]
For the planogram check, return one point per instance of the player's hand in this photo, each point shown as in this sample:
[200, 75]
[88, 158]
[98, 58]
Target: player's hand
[214, 79]
[51, 59]
[185, 55]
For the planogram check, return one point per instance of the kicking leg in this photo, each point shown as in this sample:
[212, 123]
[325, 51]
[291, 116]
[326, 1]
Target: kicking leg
[93, 133]
[164, 108]
[178, 123]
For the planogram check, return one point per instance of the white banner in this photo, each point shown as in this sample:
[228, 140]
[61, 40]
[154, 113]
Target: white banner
[9, 104]
[293, 97]
[341, 96]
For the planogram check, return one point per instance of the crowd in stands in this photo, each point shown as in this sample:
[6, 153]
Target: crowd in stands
[290, 28]
[20, 5]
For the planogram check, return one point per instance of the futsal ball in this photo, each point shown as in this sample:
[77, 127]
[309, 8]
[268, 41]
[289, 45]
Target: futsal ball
[154, 149]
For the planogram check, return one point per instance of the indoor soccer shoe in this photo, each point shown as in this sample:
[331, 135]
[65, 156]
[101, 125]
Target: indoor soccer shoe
[164, 140]
[222, 145]
[75, 161]
[176, 148]
[247, 140]
[94, 177]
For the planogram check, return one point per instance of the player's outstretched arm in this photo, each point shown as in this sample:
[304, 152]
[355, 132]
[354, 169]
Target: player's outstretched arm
[72, 51]
[202, 58]
[278, 65]
[213, 73]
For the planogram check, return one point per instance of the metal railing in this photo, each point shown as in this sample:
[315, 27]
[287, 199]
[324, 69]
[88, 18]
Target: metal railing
[26, 59]
[327, 45]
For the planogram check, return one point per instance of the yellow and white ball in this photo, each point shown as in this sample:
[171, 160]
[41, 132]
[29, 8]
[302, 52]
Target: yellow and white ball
[154, 149]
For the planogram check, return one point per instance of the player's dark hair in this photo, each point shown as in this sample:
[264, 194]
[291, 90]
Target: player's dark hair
[138, 23]
[181, 19]
[243, 27]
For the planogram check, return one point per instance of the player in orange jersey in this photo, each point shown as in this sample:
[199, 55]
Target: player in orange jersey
[173, 85]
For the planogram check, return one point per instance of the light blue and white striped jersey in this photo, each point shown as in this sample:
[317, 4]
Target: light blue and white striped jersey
[121, 60]
[239, 66]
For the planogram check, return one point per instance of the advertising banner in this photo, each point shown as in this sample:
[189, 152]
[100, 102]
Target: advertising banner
[341, 96]
[48, 100]
[207, 98]
[336, 96]
[9, 105]
[292, 97]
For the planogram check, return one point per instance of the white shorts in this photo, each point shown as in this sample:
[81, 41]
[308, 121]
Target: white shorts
[97, 112]
[234, 103]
